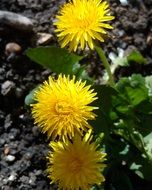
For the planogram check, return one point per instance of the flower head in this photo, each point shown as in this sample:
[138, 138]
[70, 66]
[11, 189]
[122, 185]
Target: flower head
[82, 22]
[76, 165]
[63, 107]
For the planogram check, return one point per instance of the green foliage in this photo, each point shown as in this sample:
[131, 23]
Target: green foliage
[136, 56]
[123, 126]
[125, 118]
[133, 57]
[57, 59]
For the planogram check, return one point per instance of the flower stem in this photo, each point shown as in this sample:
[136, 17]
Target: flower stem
[106, 64]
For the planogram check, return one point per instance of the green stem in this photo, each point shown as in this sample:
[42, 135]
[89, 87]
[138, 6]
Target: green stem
[106, 64]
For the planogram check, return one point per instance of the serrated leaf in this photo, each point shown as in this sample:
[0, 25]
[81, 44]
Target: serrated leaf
[133, 89]
[59, 60]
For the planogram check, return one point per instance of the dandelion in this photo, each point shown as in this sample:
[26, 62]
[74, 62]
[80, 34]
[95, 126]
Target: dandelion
[76, 165]
[82, 22]
[62, 107]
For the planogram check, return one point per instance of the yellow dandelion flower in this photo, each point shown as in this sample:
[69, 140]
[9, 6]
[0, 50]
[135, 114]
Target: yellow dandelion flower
[82, 22]
[76, 165]
[63, 107]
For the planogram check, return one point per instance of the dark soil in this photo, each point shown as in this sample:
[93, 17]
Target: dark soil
[23, 148]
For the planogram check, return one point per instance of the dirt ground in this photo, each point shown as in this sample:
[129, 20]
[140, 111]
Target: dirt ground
[23, 148]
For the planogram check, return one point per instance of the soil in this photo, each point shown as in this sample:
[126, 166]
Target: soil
[23, 147]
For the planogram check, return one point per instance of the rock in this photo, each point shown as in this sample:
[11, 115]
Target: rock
[2, 142]
[7, 87]
[12, 177]
[8, 122]
[149, 39]
[141, 24]
[32, 179]
[35, 131]
[124, 2]
[24, 179]
[9, 158]
[6, 150]
[12, 48]
[16, 21]
[18, 92]
[129, 50]
[43, 38]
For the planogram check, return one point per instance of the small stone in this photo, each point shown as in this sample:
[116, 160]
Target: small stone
[32, 178]
[2, 142]
[7, 87]
[18, 92]
[35, 131]
[43, 38]
[9, 158]
[13, 176]
[16, 21]
[24, 179]
[8, 122]
[149, 39]
[12, 48]
[38, 172]
[121, 33]
[6, 150]
[124, 2]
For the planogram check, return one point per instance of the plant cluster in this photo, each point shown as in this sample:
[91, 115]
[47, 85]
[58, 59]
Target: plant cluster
[95, 130]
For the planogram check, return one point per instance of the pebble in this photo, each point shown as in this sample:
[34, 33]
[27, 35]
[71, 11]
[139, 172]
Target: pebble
[43, 38]
[121, 33]
[8, 122]
[9, 158]
[149, 39]
[6, 150]
[12, 48]
[18, 92]
[35, 131]
[24, 179]
[32, 178]
[2, 142]
[16, 21]
[12, 177]
[7, 87]
[124, 2]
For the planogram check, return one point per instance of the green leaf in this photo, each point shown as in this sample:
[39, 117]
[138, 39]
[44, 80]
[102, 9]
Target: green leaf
[104, 94]
[148, 146]
[136, 56]
[80, 73]
[119, 179]
[143, 113]
[148, 81]
[133, 89]
[121, 61]
[57, 59]
[141, 167]
[29, 99]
